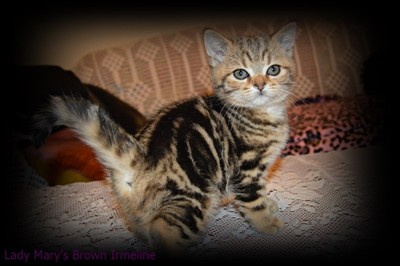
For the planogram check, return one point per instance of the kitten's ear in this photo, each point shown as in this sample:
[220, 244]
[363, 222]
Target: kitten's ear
[286, 37]
[216, 46]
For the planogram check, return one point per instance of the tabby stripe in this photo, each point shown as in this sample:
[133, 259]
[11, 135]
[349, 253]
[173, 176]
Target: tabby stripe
[263, 167]
[244, 62]
[234, 125]
[194, 158]
[193, 152]
[181, 200]
[266, 123]
[161, 136]
[221, 86]
[220, 147]
[253, 132]
[242, 147]
[247, 192]
[187, 218]
[215, 103]
[224, 78]
[164, 132]
[195, 210]
[172, 186]
[264, 52]
[245, 124]
[251, 164]
[173, 223]
[144, 130]
[212, 144]
[107, 128]
[263, 146]
[253, 122]
[247, 197]
[113, 134]
[248, 55]
[225, 148]
[224, 165]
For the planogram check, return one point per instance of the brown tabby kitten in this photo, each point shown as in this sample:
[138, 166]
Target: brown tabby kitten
[170, 176]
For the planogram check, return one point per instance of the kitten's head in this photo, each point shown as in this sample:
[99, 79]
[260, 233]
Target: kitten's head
[254, 71]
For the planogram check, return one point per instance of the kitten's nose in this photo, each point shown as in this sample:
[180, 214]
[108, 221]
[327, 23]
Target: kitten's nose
[259, 82]
[260, 85]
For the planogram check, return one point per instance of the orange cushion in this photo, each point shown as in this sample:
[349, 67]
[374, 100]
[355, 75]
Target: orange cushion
[65, 159]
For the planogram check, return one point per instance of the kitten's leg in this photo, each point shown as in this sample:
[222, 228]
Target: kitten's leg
[166, 237]
[178, 225]
[254, 204]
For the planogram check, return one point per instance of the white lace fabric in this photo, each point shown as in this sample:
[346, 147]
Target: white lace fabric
[324, 200]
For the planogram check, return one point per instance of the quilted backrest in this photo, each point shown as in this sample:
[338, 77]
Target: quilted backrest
[155, 71]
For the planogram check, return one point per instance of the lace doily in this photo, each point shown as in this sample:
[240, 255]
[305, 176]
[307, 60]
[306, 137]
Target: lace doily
[324, 200]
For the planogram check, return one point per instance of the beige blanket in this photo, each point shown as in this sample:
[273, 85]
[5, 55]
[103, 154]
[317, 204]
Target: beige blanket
[324, 199]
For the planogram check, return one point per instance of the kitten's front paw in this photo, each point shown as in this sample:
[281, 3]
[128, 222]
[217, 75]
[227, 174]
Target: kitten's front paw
[272, 225]
[272, 205]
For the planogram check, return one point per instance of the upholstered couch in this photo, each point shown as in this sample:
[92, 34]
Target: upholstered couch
[321, 183]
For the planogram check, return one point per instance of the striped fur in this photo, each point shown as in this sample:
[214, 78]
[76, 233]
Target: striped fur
[169, 177]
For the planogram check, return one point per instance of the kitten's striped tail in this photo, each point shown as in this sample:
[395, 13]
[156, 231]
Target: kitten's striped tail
[115, 148]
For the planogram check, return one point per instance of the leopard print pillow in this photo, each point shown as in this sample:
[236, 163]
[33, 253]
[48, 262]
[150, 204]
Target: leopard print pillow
[328, 123]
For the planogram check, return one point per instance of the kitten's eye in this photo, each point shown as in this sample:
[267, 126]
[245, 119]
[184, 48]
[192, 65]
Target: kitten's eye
[273, 70]
[240, 74]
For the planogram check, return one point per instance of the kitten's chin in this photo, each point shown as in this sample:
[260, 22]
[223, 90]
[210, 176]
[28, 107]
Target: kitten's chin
[267, 99]
[254, 99]
[259, 101]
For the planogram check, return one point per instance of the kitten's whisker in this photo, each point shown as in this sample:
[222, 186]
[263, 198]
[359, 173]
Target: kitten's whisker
[292, 94]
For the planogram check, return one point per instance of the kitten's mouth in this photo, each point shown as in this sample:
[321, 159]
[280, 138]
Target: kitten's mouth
[260, 99]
